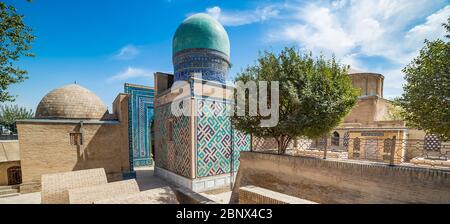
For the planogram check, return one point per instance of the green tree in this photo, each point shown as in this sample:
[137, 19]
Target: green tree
[15, 42]
[10, 114]
[426, 97]
[394, 113]
[314, 95]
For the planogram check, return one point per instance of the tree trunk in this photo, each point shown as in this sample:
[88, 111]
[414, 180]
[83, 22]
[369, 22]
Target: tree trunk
[283, 142]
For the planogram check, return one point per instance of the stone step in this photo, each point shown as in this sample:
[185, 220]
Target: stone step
[9, 187]
[5, 187]
[8, 191]
[9, 195]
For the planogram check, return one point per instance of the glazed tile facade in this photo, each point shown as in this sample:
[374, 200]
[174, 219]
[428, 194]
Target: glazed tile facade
[213, 65]
[172, 154]
[140, 109]
[218, 144]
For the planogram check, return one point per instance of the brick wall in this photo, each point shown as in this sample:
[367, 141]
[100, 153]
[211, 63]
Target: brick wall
[333, 181]
[45, 147]
[257, 195]
[4, 166]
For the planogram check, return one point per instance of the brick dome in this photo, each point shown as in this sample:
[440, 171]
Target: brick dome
[71, 102]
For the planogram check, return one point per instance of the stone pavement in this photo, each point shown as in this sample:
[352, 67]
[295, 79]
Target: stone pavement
[220, 196]
[32, 198]
[146, 181]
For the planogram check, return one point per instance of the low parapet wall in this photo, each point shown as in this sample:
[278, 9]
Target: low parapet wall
[257, 195]
[333, 181]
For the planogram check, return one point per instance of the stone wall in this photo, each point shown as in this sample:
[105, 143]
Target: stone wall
[333, 181]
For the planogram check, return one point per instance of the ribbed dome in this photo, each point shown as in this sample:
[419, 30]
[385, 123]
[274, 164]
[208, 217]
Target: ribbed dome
[71, 102]
[201, 31]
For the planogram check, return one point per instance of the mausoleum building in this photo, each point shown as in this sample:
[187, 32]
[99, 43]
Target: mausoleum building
[200, 149]
[73, 130]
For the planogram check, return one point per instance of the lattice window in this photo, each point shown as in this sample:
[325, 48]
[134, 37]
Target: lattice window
[322, 143]
[356, 147]
[14, 175]
[335, 139]
[170, 129]
[76, 139]
[356, 144]
[432, 143]
[346, 139]
[388, 145]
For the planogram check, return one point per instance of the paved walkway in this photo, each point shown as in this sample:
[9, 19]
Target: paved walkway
[32, 198]
[146, 181]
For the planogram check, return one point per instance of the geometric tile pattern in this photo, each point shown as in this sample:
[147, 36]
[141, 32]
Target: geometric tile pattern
[432, 143]
[214, 149]
[161, 115]
[241, 142]
[140, 110]
[174, 155]
[212, 64]
[181, 147]
[213, 139]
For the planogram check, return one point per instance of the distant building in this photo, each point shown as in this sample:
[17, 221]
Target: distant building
[368, 120]
[4, 130]
[370, 133]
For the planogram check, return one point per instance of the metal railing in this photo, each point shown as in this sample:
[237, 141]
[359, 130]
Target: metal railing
[429, 152]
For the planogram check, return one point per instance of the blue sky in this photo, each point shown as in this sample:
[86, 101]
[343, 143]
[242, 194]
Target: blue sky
[103, 44]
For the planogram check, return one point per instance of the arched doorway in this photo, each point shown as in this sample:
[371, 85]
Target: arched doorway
[335, 139]
[140, 115]
[14, 175]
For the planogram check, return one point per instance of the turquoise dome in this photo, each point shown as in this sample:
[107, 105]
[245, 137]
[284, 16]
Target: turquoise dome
[201, 31]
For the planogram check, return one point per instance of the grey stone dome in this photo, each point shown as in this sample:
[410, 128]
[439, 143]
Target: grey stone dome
[71, 102]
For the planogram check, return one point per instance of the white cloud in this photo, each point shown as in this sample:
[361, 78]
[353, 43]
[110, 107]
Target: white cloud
[127, 52]
[131, 73]
[357, 30]
[318, 31]
[341, 27]
[432, 28]
[238, 18]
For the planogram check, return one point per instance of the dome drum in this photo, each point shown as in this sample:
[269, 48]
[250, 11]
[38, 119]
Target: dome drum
[213, 65]
[369, 84]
